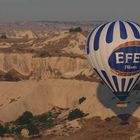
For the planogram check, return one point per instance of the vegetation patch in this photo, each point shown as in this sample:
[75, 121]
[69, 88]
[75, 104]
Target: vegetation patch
[77, 29]
[75, 114]
[29, 124]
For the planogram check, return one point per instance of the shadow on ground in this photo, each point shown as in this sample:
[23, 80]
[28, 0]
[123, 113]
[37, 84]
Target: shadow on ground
[109, 100]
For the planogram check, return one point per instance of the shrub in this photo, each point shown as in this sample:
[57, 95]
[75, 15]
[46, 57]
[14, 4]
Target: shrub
[49, 123]
[33, 130]
[7, 128]
[2, 130]
[78, 29]
[3, 36]
[18, 130]
[74, 114]
[43, 118]
[25, 118]
[81, 100]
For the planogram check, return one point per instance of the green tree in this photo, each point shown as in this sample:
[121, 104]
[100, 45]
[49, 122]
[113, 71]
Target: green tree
[43, 118]
[78, 29]
[74, 114]
[18, 130]
[49, 123]
[33, 129]
[2, 130]
[3, 36]
[26, 118]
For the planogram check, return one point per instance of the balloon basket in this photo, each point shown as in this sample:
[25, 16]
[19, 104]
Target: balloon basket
[122, 104]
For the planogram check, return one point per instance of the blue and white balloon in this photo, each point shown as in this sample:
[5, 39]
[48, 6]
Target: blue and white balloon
[113, 50]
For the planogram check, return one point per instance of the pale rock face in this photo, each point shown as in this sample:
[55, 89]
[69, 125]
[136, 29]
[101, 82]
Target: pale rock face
[18, 62]
[58, 36]
[75, 43]
[19, 34]
[43, 68]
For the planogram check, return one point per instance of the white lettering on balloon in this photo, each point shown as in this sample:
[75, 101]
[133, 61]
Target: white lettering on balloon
[128, 59]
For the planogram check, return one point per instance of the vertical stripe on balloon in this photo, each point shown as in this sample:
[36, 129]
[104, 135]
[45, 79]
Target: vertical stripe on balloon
[102, 78]
[135, 82]
[123, 84]
[97, 37]
[99, 75]
[88, 40]
[107, 79]
[129, 84]
[123, 32]
[135, 30]
[116, 82]
[109, 36]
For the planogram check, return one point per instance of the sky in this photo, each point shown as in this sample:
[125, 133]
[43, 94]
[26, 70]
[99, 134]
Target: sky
[69, 10]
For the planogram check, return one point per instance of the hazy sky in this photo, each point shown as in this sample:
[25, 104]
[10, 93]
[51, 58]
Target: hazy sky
[69, 10]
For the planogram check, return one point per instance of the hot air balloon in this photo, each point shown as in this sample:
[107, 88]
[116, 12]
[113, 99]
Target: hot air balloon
[113, 51]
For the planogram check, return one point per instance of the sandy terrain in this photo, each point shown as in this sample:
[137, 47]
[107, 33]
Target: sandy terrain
[40, 96]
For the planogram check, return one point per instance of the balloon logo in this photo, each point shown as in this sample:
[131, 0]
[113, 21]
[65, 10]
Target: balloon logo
[124, 60]
[113, 51]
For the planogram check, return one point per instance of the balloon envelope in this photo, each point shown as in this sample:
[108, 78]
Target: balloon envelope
[113, 50]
